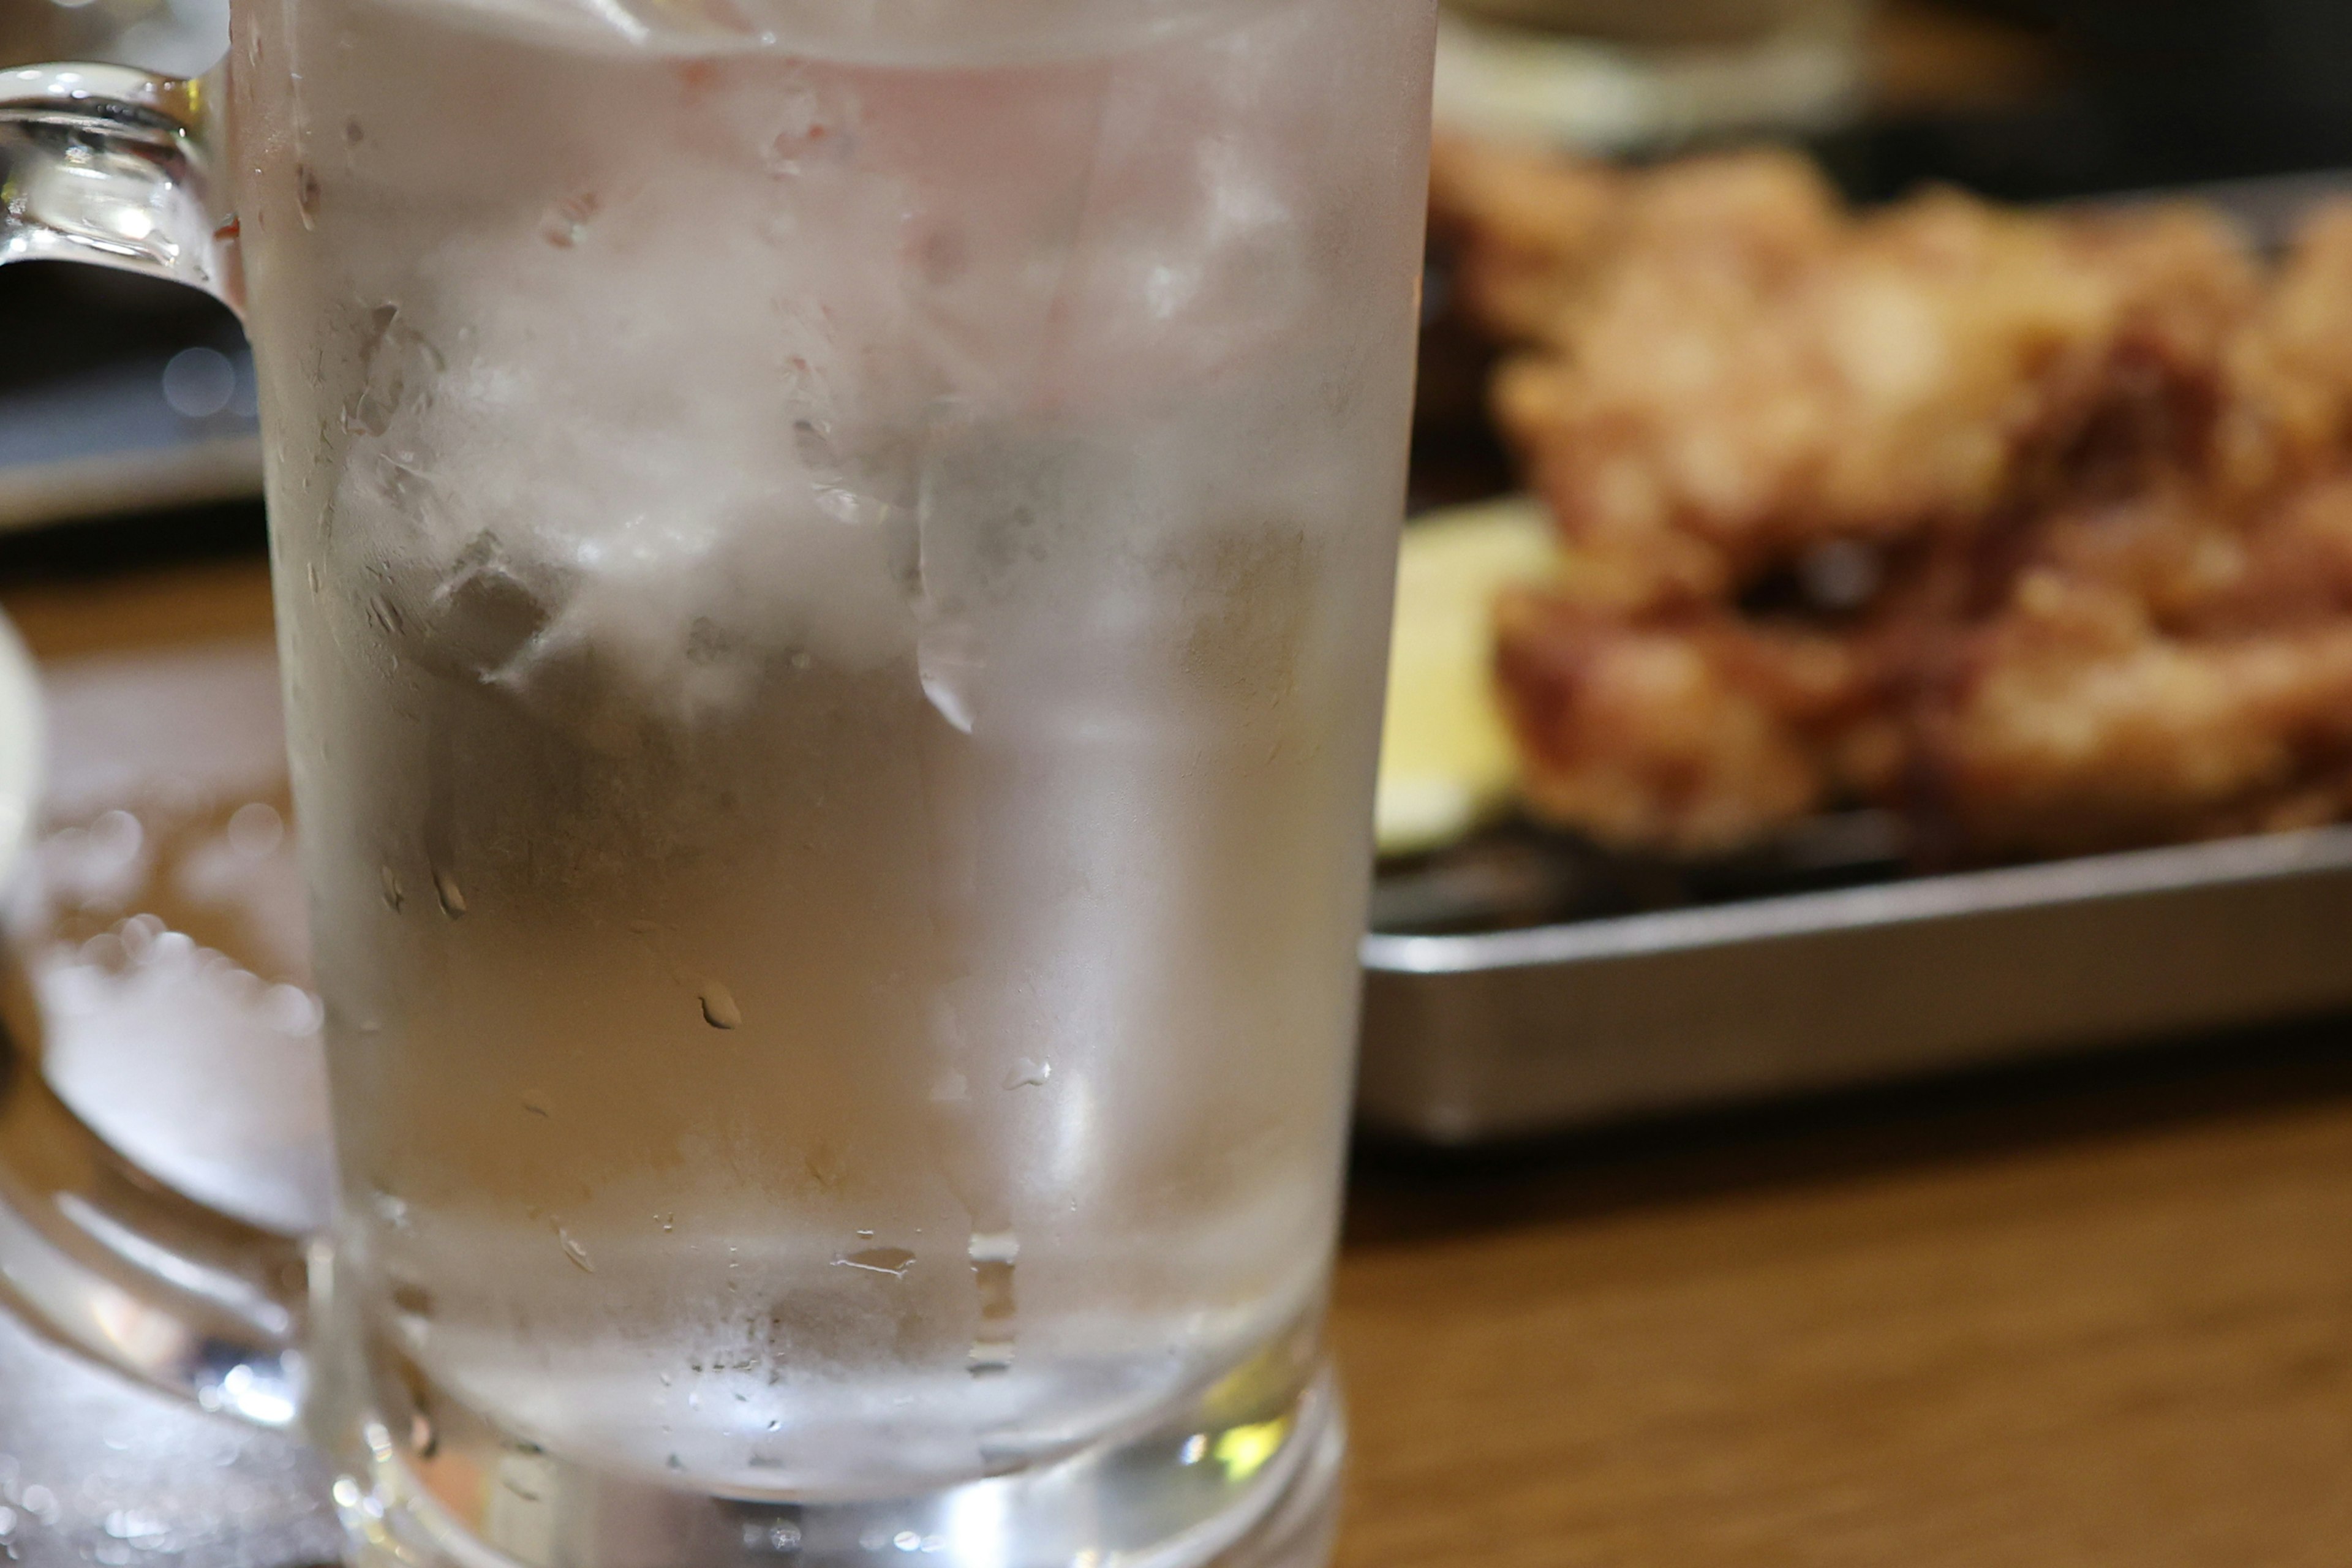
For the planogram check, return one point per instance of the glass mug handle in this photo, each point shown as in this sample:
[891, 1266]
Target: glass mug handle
[109, 164]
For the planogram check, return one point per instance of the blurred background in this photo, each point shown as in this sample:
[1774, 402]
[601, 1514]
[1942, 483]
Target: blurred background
[119, 396]
[2018, 99]
[128, 440]
[127, 425]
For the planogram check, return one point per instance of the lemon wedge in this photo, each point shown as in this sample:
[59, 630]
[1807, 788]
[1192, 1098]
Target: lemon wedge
[1446, 762]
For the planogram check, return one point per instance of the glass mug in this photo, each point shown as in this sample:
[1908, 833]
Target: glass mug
[831, 566]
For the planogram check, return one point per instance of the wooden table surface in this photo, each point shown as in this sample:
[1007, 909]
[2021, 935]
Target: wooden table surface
[2092, 1314]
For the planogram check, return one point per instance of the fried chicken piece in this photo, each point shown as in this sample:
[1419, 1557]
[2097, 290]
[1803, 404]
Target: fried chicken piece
[1693, 734]
[1525, 226]
[1530, 231]
[2288, 413]
[2169, 665]
[2114, 672]
[2067, 502]
[1700, 416]
[2198, 561]
[2078, 724]
[2147, 670]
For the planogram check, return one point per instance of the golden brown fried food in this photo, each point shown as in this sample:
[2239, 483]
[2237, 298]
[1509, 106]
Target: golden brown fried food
[2040, 527]
[2198, 563]
[2160, 668]
[2288, 393]
[1693, 733]
[1525, 227]
[2078, 724]
[1692, 422]
[1530, 232]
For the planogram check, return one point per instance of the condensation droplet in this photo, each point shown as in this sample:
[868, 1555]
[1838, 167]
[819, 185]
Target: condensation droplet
[892, 1260]
[453, 899]
[386, 616]
[535, 1103]
[352, 134]
[994, 1246]
[565, 223]
[422, 1440]
[1028, 1073]
[574, 1251]
[718, 1008]
[394, 897]
[306, 194]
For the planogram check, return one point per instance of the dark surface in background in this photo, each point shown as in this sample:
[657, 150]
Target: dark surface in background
[110, 394]
[97, 549]
[56, 317]
[2141, 95]
[2160, 92]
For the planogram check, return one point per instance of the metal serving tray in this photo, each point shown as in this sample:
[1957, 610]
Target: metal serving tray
[1474, 1038]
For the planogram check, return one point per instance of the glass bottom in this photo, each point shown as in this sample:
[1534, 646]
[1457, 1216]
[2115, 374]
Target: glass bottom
[1198, 1490]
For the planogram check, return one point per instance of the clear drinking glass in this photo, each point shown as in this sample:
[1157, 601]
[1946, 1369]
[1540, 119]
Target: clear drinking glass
[832, 563]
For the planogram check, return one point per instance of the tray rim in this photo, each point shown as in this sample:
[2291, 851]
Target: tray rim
[2083, 879]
